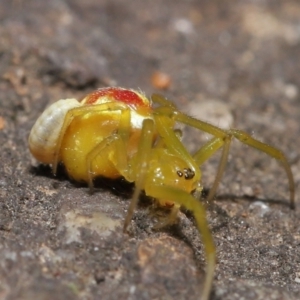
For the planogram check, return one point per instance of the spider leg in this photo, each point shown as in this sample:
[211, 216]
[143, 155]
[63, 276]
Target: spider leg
[185, 199]
[116, 143]
[161, 100]
[140, 166]
[173, 143]
[77, 111]
[206, 151]
[180, 117]
[113, 143]
[238, 134]
[272, 152]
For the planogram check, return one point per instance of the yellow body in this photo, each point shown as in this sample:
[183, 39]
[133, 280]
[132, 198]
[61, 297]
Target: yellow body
[83, 135]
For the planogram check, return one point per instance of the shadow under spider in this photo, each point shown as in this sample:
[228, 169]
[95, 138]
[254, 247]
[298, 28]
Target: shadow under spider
[122, 188]
[119, 187]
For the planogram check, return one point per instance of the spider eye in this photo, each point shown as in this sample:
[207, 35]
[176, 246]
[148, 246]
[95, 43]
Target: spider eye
[188, 173]
[179, 173]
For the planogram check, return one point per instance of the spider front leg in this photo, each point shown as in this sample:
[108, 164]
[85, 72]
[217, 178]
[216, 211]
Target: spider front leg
[245, 138]
[134, 169]
[213, 145]
[139, 165]
[226, 136]
[182, 198]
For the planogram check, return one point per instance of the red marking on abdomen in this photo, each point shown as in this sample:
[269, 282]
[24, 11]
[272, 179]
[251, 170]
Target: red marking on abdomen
[126, 96]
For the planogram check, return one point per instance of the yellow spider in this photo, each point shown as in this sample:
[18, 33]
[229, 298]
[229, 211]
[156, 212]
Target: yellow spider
[115, 132]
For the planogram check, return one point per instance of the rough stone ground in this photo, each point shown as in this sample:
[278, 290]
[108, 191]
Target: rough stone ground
[231, 62]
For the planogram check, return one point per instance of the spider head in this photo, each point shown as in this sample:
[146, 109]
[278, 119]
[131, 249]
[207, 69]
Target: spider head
[172, 171]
